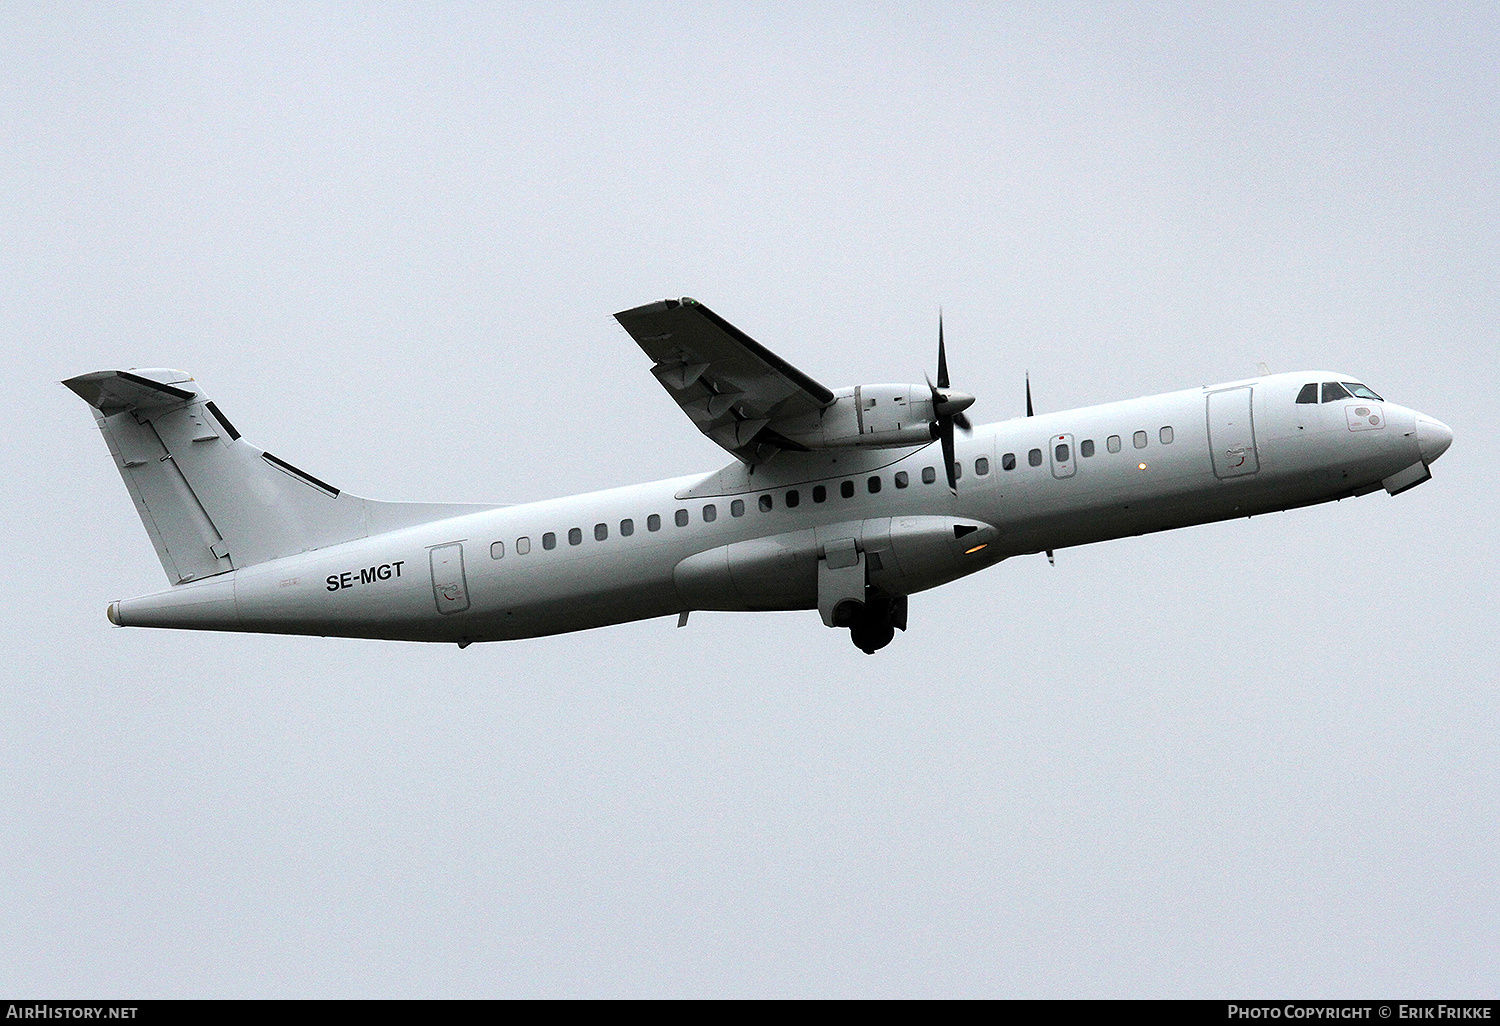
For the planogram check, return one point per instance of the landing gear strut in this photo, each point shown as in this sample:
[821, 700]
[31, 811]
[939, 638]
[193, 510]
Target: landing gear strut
[872, 623]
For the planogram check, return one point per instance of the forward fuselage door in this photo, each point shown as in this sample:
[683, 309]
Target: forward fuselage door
[448, 586]
[1062, 456]
[1231, 432]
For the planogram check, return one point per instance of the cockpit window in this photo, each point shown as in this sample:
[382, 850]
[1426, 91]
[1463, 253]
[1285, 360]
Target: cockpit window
[1332, 390]
[1361, 391]
[1309, 393]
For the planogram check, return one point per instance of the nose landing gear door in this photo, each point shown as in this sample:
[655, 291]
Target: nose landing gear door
[448, 586]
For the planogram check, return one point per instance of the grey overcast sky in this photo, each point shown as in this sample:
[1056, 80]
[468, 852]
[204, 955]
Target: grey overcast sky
[1255, 758]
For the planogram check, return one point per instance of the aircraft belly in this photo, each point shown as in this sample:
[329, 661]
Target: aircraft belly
[561, 616]
[520, 602]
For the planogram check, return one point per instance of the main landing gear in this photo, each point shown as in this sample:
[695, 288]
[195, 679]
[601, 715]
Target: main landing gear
[872, 623]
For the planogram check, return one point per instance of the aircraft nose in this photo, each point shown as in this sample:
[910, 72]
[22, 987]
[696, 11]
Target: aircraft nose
[1433, 437]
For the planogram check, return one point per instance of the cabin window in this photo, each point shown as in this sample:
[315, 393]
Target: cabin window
[1008, 461]
[901, 480]
[1309, 393]
[601, 532]
[1333, 391]
[793, 499]
[575, 536]
[497, 550]
[1034, 457]
[710, 513]
[874, 485]
[523, 546]
[1140, 439]
[982, 466]
[549, 540]
[820, 494]
[929, 475]
[627, 528]
[1165, 435]
[737, 508]
[681, 518]
[766, 503]
[1060, 452]
[846, 489]
[653, 522]
[1113, 443]
[958, 469]
[1086, 448]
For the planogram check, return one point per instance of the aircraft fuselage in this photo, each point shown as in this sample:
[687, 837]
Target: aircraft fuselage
[777, 536]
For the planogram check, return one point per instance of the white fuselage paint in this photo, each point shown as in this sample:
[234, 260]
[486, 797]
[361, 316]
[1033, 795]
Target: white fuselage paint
[384, 586]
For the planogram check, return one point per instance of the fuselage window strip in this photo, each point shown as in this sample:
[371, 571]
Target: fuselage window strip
[792, 497]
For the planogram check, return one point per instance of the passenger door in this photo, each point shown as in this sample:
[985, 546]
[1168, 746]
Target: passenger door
[448, 586]
[1231, 432]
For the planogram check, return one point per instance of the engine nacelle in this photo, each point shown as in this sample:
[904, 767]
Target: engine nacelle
[866, 416]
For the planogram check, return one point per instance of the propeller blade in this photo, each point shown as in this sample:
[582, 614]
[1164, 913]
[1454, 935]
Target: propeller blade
[945, 432]
[947, 410]
[942, 355]
[1029, 411]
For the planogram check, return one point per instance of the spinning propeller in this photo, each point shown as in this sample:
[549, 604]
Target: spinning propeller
[947, 410]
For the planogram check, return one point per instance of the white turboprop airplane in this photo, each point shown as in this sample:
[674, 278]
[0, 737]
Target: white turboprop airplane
[837, 500]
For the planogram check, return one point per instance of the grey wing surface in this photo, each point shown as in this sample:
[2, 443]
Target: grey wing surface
[734, 389]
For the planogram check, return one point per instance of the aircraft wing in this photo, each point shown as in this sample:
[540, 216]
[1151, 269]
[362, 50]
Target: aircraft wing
[733, 388]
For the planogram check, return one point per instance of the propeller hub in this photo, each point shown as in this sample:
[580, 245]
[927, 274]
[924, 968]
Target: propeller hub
[948, 403]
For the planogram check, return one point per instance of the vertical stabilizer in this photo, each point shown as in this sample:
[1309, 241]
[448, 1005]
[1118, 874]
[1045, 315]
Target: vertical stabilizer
[212, 502]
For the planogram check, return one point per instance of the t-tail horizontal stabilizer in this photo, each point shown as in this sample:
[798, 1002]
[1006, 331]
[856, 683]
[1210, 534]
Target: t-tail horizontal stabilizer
[212, 502]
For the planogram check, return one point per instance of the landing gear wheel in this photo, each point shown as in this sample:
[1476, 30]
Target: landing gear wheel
[870, 638]
[847, 613]
[874, 627]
